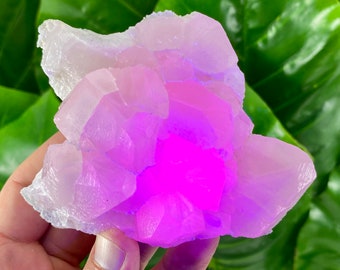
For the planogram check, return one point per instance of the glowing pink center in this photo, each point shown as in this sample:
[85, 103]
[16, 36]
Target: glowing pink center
[181, 166]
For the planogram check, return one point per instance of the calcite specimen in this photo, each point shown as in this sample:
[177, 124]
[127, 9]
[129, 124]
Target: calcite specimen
[157, 143]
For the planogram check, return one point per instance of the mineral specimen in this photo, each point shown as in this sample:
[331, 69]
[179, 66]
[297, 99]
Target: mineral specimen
[157, 143]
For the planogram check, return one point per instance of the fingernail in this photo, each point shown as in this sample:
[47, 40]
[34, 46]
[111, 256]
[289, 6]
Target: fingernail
[108, 255]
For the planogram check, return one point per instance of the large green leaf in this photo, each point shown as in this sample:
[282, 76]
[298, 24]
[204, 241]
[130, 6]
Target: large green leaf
[22, 136]
[294, 64]
[17, 43]
[299, 77]
[264, 119]
[101, 16]
[13, 103]
[318, 244]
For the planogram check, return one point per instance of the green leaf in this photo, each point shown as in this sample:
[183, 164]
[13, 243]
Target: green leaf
[213, 9]
[100, 16]
[22, 136]
[17, 43]
[13, 103]
[318, 244]
[299, 74]
[264, 119]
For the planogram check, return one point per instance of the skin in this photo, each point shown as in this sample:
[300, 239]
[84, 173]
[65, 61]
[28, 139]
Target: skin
[28, 242]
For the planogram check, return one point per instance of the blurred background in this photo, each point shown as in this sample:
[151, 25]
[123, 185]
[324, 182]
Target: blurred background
[289, 51]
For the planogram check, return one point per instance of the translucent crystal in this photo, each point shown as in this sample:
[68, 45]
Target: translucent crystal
[157, 143]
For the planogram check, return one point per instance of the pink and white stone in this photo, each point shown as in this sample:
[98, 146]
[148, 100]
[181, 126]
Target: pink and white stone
[157, 143]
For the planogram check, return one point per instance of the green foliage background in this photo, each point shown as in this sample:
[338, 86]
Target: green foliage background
[289, 51]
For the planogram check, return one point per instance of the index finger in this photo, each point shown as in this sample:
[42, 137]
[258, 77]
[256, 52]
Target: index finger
[19, 221]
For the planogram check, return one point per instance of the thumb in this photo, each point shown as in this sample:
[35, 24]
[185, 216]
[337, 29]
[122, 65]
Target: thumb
[113, 250]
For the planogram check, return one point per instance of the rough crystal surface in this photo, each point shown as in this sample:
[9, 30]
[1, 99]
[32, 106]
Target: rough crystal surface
[157, 143]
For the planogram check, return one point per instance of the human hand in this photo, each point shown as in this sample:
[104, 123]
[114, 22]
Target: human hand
[29, 242]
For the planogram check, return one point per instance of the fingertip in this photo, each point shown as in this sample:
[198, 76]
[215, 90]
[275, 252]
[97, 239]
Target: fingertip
[113, 250]
[107, 254]
[146, 253]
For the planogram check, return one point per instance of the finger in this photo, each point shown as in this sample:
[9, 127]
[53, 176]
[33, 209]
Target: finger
[146, 252]
[113, 250]
[68, 245]
[193, 255]
[18, 219]
[14, 255]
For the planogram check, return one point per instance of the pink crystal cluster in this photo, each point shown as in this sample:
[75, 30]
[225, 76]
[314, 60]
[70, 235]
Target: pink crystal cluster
[157, 143]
